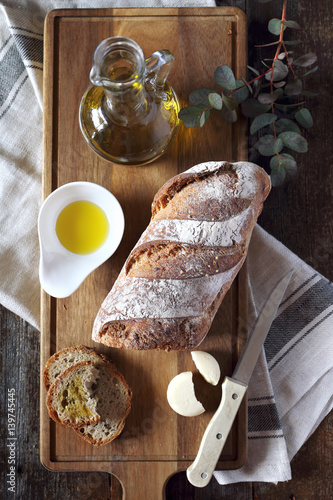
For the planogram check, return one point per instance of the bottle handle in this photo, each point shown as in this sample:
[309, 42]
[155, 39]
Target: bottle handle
[159, 64]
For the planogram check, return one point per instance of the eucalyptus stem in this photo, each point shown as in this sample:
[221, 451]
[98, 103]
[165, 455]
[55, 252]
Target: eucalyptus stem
[279, 117]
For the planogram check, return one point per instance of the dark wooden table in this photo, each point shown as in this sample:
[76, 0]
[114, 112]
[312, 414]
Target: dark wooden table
[299, 214]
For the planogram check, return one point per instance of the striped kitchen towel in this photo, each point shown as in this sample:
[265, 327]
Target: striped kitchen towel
[290, 391]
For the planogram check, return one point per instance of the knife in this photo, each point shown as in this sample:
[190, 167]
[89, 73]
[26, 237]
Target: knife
[199, 473]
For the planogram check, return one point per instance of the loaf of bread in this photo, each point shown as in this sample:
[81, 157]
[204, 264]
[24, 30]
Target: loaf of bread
[87, 393]
[175, 278]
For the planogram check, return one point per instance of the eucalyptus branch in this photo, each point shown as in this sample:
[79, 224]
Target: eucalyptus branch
[276, 116]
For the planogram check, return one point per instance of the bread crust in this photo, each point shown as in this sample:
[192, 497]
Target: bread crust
[94, 442]
[175, 278]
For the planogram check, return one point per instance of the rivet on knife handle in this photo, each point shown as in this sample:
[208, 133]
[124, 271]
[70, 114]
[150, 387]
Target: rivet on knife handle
[200, 472]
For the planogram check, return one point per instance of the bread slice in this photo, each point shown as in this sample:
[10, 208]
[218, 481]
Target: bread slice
[114, 404]
[71, 399]
[112, 394]
[67, 357]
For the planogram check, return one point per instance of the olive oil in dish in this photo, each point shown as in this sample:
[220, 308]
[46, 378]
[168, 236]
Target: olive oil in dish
[82, 227]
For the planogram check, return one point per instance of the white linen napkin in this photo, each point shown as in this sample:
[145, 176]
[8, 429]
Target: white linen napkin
[295, 369]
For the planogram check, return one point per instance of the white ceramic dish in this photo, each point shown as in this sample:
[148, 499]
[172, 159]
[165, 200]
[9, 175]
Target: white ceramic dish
[61, 272]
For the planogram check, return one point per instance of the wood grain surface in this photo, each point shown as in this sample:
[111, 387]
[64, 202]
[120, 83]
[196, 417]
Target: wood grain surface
[299, 214]
[156, 442]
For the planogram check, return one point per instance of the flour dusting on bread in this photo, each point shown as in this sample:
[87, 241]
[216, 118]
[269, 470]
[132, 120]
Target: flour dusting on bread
[186, 260]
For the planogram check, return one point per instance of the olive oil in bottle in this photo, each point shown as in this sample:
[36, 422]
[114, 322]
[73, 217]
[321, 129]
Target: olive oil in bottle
[129, 114]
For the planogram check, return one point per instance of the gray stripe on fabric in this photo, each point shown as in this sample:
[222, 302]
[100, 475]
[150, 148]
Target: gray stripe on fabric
[5, 44]
[266, 437]
[31, 48]
[32, 66]
[262, 398]
[11, 68]
[263, 418]
[299, 340]
[298, 289]
[299, 314]
[14, 96]
[25, 30]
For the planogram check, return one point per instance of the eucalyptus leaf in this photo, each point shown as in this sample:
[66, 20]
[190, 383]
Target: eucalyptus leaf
[190, 116]
[280, 71]
[268, 44]
[200, 96]
[285, 125]
[252, 108]
[230, 102]
[285, 108]
[224, 77]
[262, 121]
[257, 88]
[292, 42]
[278, 85]
[306, 60]
[291, 24]
[313, 70]
[280, 66]
[294, 88]
[229, 116]
[274, 26]
[215, 100]
[307, 93]
[242, 92]
[268, 98]
[255, 71]
[207, 113]
[294, 141]
[278, 145]
[202, 119]
[247, 84]
[278, 175]
[268, 145]
[289, 163]
[304, 118]
[285, 161]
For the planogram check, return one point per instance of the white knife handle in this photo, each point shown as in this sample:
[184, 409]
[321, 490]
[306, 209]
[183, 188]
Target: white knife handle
[201, 470]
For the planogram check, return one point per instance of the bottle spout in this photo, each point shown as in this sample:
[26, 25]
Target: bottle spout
[159, 64]
[117, 63]
[95, 77]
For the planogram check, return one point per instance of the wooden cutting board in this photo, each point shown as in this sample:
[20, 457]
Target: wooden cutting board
[156, 442]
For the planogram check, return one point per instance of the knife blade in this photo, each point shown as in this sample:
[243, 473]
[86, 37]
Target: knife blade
[199, 473]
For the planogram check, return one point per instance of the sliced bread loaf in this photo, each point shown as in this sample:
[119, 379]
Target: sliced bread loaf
[110, 392]
[71, 399]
